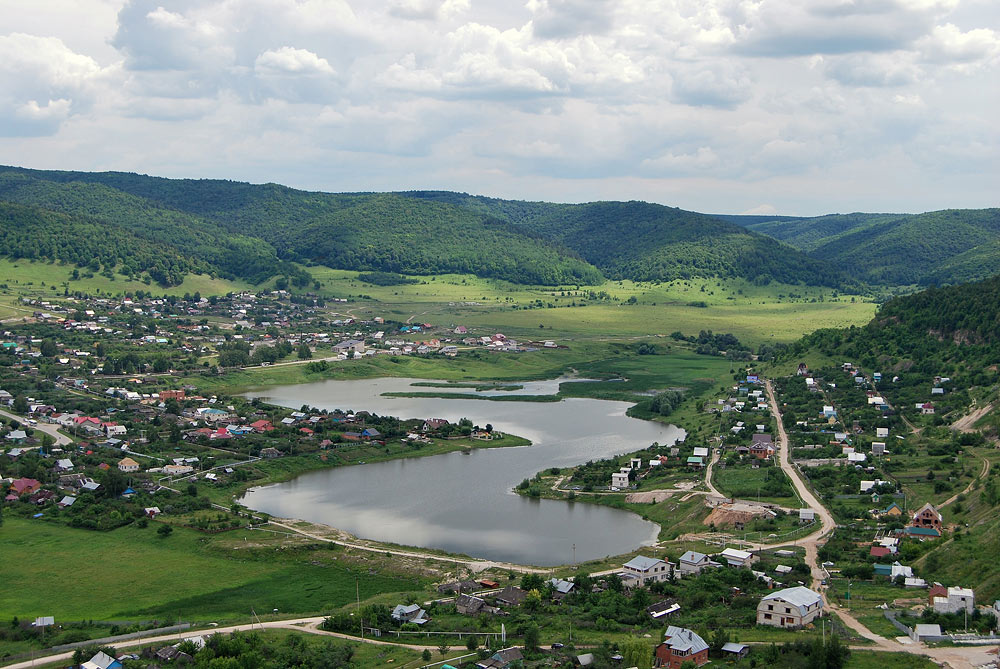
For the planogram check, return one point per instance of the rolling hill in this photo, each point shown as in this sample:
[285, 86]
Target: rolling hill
[938, 247]
[651, 242]
[162, 229]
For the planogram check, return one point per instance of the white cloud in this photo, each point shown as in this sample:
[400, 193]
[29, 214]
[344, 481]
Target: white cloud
[712, 104]
[42, 83]
[947, 44]
[291, 61]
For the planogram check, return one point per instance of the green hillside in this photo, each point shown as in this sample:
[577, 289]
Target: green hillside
[243, 230]
[651, 242]
[948, 246]
[164, 229]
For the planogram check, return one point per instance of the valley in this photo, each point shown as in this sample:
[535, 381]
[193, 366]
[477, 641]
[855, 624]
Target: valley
[268, 436]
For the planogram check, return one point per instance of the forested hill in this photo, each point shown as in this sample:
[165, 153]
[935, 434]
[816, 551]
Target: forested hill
[938, 247]
[165, 228]
[252, 232]
[643, 241]
[953, 331]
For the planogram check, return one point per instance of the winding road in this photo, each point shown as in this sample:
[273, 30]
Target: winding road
[964, 657]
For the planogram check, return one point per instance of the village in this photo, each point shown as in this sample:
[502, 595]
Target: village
[98, 432]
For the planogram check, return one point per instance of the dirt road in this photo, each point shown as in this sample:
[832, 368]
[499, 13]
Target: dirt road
[306, 625]
[956, 658]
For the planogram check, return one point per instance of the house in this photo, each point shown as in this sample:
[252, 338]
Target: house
[433, 424]
[761, 446]
[914, 582]
[469, 605]
[927, 409]
[928, 517]
[128, 465]
[693, 562]
[956, 600]
[880, 551]
[560, 587]
[64, 465]
[502, 659]
[807, 515]
[24, 486]
[662, 609]
[410, 614]
[791, 607]
[680, 645]
[878, 448]
[270, 453]
[114, 430]
[695, 461]
[17, 436]
[101, 661]
[511, 596]
[646, 570]
[262, 425]
[177, 470]
[737, 558]
[66, 501]
[619, 480]
[151, 511]
[892, 510]
[881, 432]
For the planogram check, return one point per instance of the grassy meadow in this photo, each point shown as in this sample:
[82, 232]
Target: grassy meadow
[614, 309]
[135, 574]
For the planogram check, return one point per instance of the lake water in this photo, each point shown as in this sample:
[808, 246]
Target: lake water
[463, 502]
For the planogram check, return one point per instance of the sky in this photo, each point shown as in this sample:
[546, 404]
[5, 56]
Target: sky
[726, 106]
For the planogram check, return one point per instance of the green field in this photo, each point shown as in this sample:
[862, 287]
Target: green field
[134, 574]
[744, 482]
[44, 280]
[755, 314]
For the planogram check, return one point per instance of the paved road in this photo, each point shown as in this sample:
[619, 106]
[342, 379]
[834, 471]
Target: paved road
[47, 428]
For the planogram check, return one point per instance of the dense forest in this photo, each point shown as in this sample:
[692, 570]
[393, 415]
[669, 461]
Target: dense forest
[651, 242]
[246, 231]
[938, 247]
[166, 228]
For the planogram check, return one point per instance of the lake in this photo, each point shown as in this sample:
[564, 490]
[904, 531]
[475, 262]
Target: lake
[463, 502]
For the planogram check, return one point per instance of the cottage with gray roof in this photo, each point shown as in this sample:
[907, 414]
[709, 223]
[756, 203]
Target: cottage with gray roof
[641, 570]
[791, 607]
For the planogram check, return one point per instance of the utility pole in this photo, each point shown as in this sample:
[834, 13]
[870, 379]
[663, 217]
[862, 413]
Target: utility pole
[574, 556]
[361, 619]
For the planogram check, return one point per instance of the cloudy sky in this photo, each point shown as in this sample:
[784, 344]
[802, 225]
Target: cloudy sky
[789, 106]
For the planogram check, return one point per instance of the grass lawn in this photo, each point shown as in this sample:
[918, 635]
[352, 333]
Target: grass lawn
[744, 482]
[872, 659]
[134, 574]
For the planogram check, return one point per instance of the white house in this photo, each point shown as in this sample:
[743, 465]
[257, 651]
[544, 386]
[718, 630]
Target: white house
[646, 569]
[958, 599]
[619, 480]
[791, 607]
[737, 558]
